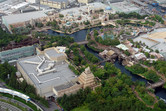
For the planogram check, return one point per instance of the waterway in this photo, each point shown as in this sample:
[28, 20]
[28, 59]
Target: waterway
[81, 35]
[160, 92]
[78, 36]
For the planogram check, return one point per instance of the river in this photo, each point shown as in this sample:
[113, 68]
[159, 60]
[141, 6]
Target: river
[78, 36]
[81, 35]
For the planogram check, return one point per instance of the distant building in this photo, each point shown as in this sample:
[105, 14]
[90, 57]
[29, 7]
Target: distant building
[33, 1]
[107, 53]
[156, 55]
[20, 20]
[85, 1]
[140, 56]
[161, 1]
[15, 54]
[21, 5]
[60, 4]
[122, 46]
[125, 7]
[155, 40]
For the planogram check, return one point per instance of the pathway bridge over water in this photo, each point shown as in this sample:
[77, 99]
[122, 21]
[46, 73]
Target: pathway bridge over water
[155, 85]
[83, 42]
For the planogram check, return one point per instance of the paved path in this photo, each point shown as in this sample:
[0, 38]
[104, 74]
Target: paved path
[8, 107]
[157, 84]
[17, 102]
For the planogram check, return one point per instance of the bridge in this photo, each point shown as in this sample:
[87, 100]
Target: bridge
[155, 85]
[82, 42]
[106, 60]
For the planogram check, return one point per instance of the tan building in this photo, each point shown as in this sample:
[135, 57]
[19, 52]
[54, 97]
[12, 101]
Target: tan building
[60, 4]
[21, 20]
[85, 1]
[86, 79]
[49, 73]
[54, 53]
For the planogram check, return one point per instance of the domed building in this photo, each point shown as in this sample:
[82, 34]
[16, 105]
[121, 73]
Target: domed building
[108, 8]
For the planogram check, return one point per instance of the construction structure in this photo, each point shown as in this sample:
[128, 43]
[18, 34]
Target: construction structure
[49, 73]
[60, 4]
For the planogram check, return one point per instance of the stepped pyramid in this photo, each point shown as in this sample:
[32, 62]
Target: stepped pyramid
[87, 78]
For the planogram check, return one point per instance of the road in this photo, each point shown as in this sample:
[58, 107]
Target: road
[16, 102]
[8, 107]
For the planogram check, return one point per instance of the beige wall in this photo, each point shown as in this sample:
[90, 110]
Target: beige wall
[58, 5]
[68, 91]
[57, 59]
[84, 1]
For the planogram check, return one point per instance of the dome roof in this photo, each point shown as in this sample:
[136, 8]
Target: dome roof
[108, 8]
[68, 23]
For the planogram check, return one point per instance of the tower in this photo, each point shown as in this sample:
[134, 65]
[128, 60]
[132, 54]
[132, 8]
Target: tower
[87, 78]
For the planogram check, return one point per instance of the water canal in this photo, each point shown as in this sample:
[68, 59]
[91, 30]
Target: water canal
[81, 35]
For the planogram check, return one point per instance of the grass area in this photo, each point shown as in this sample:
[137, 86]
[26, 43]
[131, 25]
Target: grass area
[21, 100]
[82, 108]
[149, 100]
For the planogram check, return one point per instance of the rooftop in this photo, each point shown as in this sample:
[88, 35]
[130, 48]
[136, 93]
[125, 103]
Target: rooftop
[59, 0]
[158, 36]
[53, 53]
[124, 7]
[42, 75]
[122, 46]
[16, 18]
[20, 5]
[78, 10]
[149, 42]
[64, 86]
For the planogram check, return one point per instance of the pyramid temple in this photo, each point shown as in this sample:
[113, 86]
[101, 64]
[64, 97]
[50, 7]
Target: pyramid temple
[86, 79]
